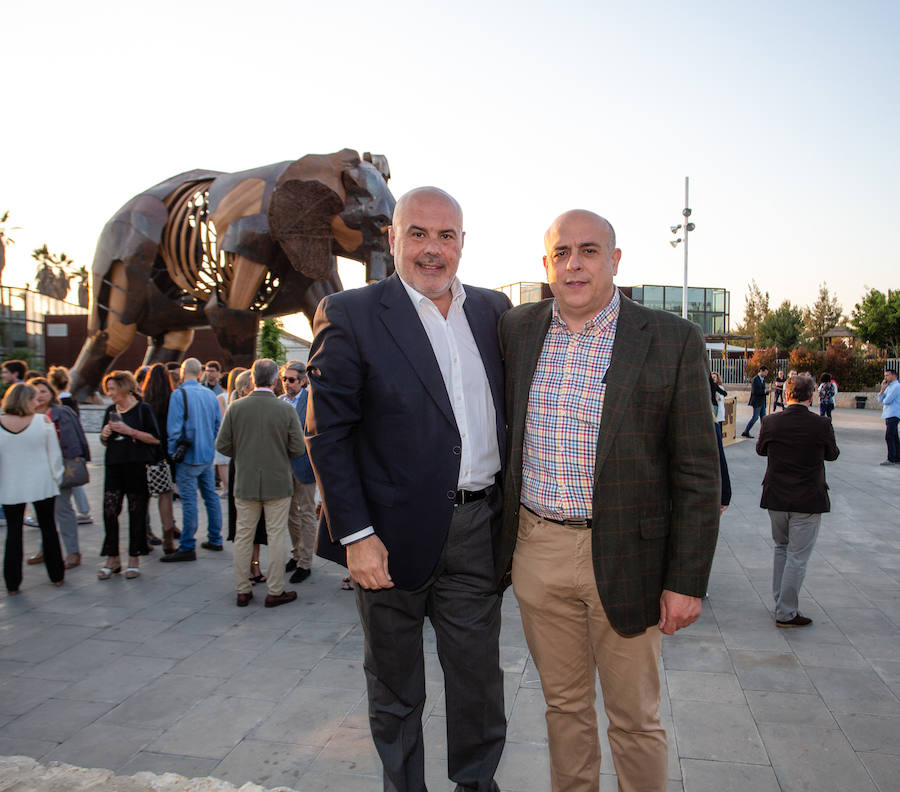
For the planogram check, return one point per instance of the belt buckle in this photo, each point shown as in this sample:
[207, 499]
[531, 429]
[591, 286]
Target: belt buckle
[577, 524]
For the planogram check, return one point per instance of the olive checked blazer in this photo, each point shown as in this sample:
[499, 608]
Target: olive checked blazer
[656, 478]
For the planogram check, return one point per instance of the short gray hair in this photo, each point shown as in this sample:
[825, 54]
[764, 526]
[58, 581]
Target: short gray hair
[294, 365]
[191, 366]
[265, 370]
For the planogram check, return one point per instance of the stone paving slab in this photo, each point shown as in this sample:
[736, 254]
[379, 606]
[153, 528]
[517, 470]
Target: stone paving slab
[161, 679]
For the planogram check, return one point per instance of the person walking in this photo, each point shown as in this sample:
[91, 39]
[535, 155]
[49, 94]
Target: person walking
[130, 435]
[796, 443]
[827, 392]
[757, 401]
[194, 417]
[31, 468]
[260, 433]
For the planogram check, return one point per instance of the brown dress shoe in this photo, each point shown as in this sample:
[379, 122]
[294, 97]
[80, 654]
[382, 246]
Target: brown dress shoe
[274, 600]
[37, 558]
[73, 560]
[243, 600]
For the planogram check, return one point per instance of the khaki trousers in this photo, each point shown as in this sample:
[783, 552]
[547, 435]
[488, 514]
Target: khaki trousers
[276, 512]
[302, 523]
[569, 637]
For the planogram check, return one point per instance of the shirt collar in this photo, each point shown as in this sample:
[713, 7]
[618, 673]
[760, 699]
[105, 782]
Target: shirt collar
[601, 321]
[457, 290]
[264, 389]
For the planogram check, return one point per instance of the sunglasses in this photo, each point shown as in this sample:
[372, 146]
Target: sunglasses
[290, 379]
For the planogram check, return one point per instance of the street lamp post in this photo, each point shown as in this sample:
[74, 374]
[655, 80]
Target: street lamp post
[688, 227]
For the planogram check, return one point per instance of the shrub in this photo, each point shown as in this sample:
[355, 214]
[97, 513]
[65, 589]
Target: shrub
[764, 356]
[805, 359]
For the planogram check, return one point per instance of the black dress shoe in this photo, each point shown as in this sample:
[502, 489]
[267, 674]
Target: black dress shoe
[300, 574]
[274, 600]
[290, 566]
[243, 600]
[180, 555]
[210, 546]
[797, 621]
[746, 434]
[153, 539]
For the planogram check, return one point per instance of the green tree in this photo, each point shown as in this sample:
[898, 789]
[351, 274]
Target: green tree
[756, 309]
[820, 317]
[270, 345]
[876, 320]
[781, 328]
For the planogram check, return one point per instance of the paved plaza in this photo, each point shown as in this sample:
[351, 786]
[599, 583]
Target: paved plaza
[165, 674]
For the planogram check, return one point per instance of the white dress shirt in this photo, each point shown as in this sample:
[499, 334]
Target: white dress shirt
[467, 387]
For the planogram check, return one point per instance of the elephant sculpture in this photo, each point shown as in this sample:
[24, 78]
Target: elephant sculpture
[215, 249]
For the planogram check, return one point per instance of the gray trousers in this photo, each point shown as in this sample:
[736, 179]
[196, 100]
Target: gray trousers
[795, 536]
[463, 605]
[66, 520]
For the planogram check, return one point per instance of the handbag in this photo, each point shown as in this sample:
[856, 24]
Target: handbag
[75, 473]
[183, 444]
[159, 478]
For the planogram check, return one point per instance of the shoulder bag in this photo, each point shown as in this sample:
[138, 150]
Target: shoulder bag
[183, 444]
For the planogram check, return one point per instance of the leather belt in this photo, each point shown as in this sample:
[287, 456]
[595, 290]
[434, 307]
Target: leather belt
[467, 496]
[578, 525]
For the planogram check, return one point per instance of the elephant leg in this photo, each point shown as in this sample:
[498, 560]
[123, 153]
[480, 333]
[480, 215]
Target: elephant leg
[235, 331]
[318, 290]
[169, 347]
[105, 343]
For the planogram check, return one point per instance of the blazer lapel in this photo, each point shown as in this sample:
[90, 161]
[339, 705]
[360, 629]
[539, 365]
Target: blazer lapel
[523, 350]
[629, 352]
[483, 324]
[403, 323]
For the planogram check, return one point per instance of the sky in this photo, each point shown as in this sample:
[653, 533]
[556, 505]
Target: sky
[785, 116]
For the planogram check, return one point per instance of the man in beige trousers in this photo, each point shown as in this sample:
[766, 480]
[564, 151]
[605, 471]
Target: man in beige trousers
[261, 433]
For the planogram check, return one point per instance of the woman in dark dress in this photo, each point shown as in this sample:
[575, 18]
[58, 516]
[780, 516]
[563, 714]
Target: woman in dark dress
[130, 435]
[157, 390]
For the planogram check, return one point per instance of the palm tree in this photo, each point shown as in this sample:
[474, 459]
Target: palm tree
[5, 239]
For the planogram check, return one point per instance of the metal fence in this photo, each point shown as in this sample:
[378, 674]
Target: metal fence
[732, 371]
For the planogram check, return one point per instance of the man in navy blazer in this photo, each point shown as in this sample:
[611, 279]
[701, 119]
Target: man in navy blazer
[757, 399]
[406, 433]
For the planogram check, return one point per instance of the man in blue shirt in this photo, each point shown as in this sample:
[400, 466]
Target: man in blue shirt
[302, 515]
[200, 429]
[889, 396]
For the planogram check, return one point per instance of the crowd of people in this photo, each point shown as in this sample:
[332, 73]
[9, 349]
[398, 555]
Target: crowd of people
[159, 434]
[459, 446]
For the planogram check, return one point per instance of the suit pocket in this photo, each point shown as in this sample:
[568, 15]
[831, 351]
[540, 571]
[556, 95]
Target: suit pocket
[380, 492]
[654, 527]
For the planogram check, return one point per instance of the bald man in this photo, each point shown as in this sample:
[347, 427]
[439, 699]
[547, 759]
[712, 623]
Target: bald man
[611, 500]
[406, 433]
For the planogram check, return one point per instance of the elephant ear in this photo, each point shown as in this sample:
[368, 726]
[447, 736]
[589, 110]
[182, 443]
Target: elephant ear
[300, 214]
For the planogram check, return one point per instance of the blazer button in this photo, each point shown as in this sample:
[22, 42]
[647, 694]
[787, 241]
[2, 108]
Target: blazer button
[457, 450]
[451, 495]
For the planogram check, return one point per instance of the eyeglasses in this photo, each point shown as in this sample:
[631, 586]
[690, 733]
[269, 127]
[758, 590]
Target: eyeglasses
[292, 380]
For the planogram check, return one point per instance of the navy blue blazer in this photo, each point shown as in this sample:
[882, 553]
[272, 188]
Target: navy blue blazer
[381, 434]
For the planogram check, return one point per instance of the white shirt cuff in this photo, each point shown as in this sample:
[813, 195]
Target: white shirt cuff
[355, 537]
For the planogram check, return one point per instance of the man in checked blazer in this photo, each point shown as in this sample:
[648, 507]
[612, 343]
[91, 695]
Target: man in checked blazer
[611, 500]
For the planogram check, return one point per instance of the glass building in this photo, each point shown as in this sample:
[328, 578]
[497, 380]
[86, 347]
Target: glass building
[708, 308]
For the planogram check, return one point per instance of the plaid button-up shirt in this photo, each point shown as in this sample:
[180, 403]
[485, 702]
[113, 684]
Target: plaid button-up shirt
[565, 406]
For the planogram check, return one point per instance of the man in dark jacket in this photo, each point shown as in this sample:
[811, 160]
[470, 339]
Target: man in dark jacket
[797, 443]
[757, 399]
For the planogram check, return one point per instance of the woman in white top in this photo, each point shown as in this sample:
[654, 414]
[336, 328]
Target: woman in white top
[31, 467]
